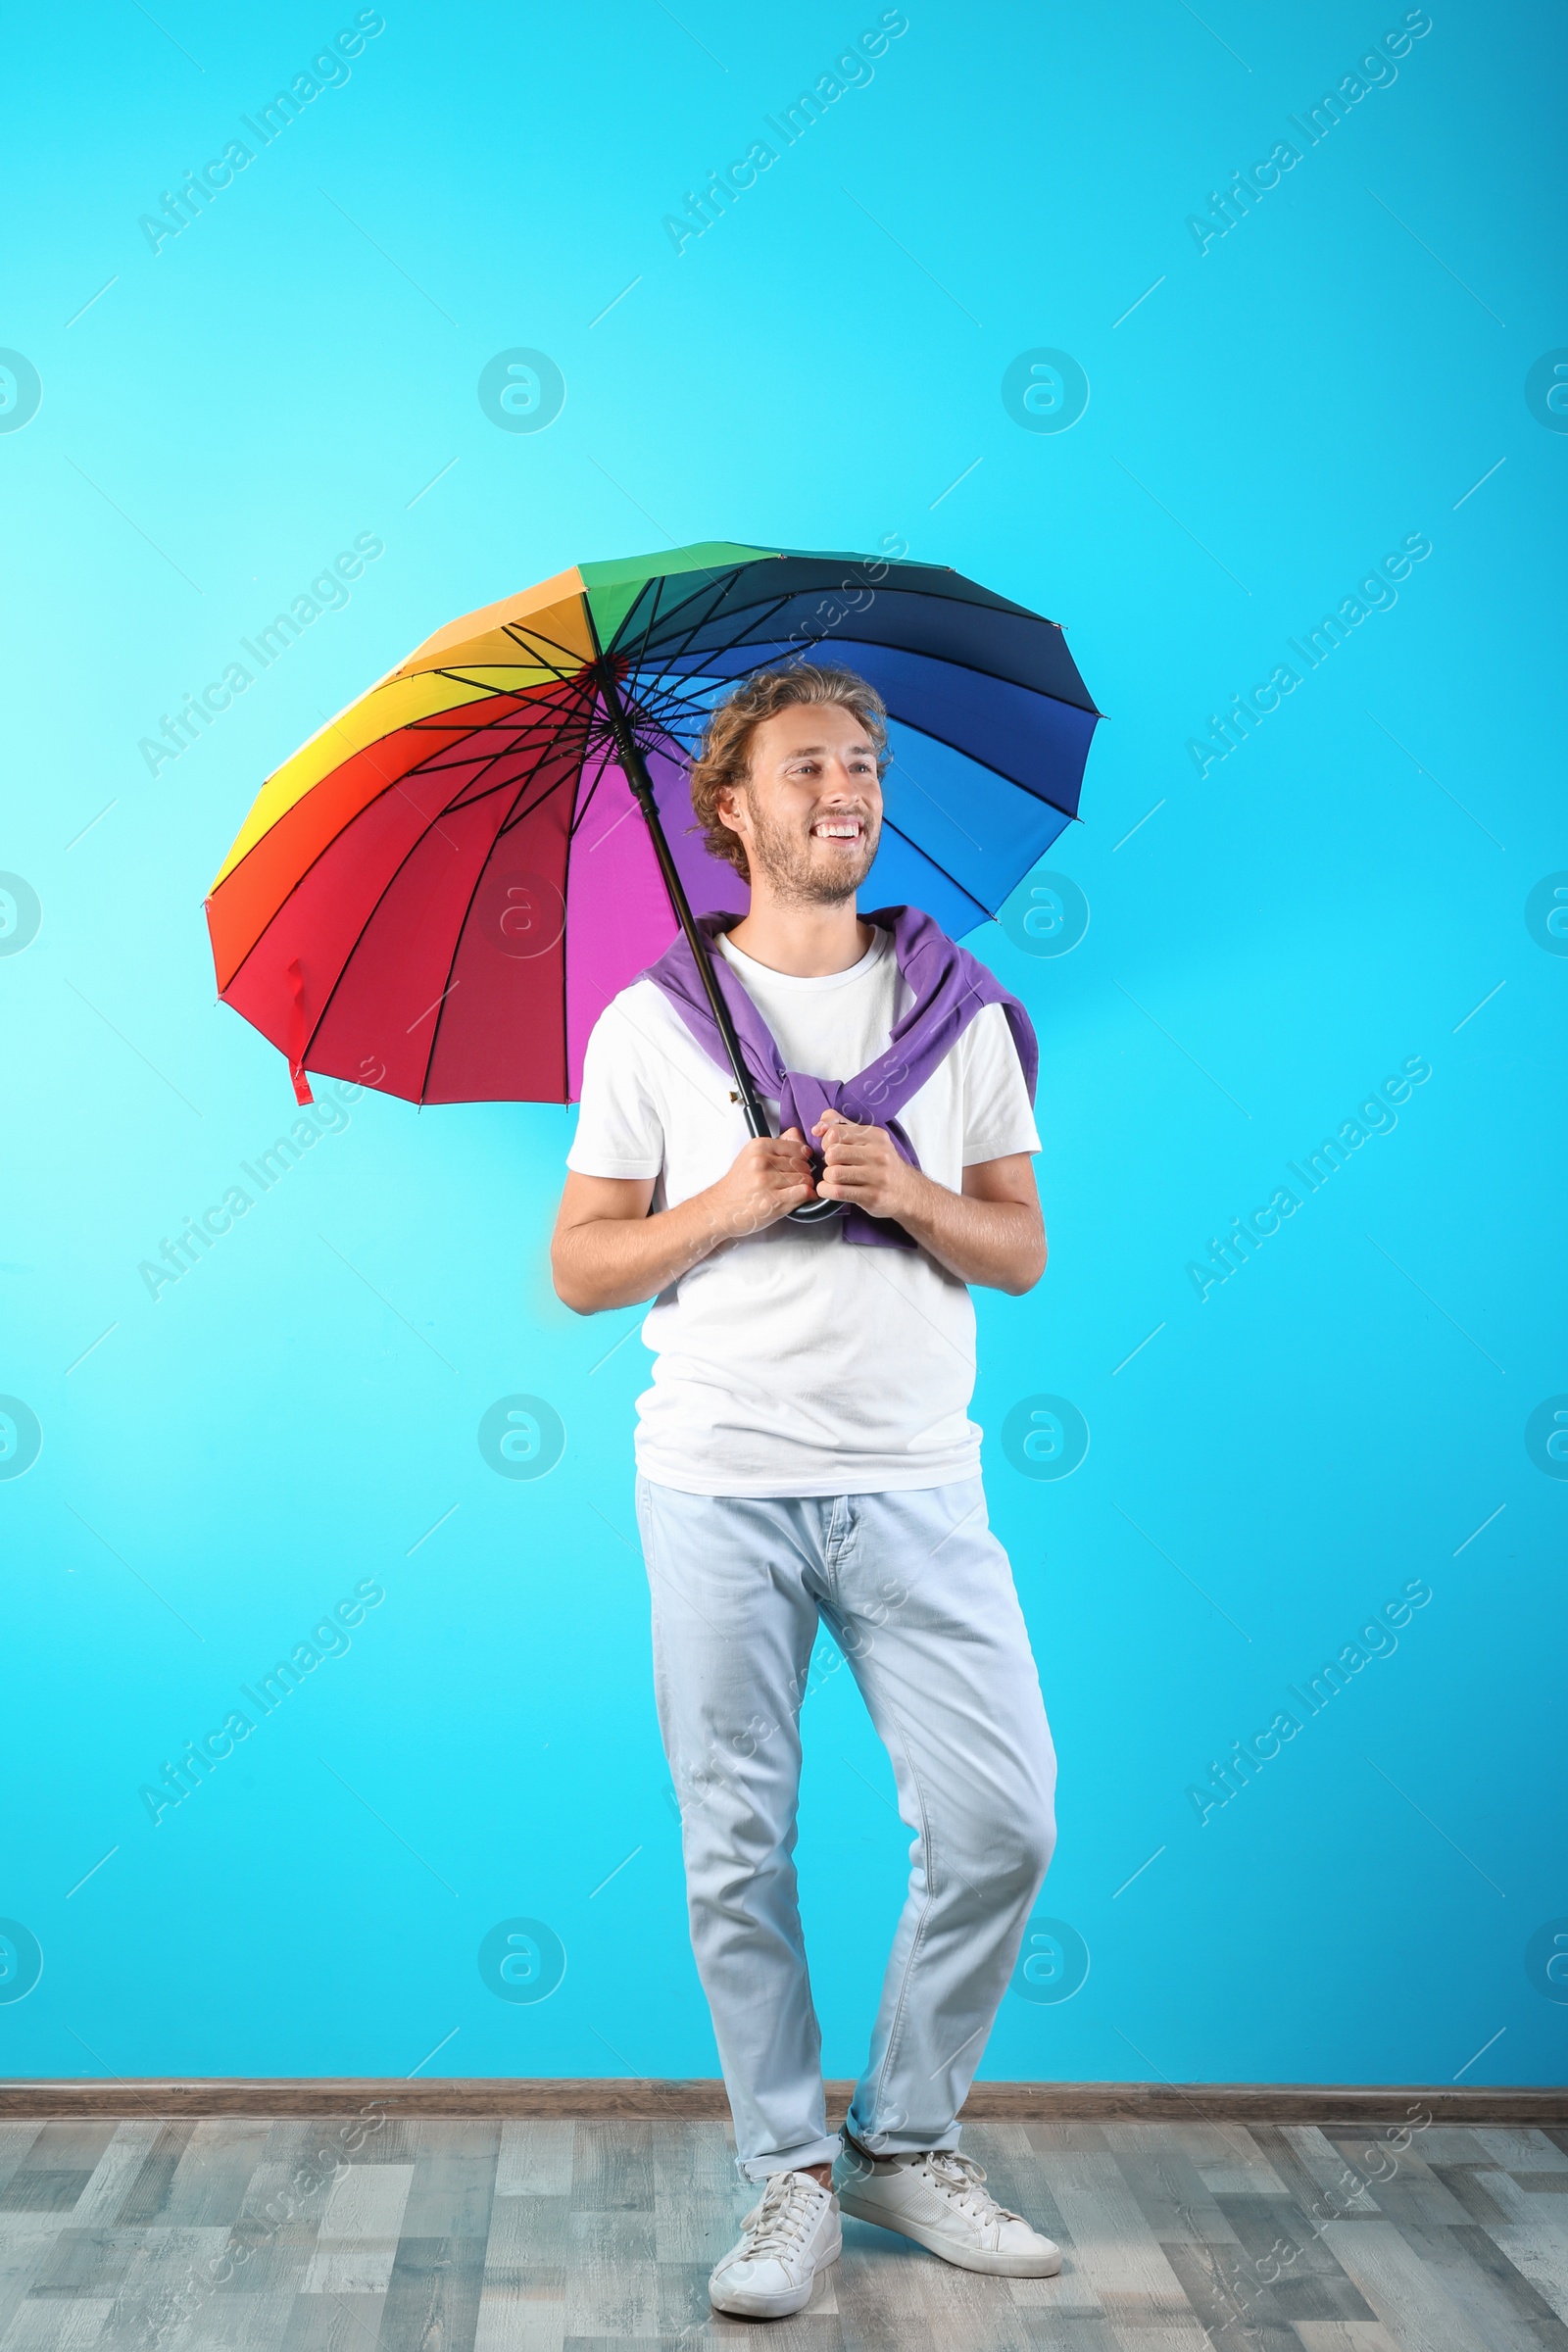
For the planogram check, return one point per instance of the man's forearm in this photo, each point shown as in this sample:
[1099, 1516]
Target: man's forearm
[617, 1262]
[999, 1244]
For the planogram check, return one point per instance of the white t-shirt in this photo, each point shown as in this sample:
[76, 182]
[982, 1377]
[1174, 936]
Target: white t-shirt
[793, 1361]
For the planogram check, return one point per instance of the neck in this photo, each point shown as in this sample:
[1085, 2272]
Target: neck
[808, 941]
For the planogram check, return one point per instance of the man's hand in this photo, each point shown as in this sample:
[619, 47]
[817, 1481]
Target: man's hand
[609, 1252]
[862, 1166]
[991, 1233]
[770, 1175]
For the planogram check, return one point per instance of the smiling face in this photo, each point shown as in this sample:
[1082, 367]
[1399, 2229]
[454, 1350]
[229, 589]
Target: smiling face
[811, 810]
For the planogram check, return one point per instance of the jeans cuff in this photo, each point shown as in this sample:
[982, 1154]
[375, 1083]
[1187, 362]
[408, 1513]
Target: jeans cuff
[793, 2160]
[881, 2145]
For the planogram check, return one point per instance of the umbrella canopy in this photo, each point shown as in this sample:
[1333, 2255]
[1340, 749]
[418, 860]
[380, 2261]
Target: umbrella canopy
[440, 893]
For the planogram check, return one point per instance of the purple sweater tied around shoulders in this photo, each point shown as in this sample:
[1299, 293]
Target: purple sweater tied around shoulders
[949, 988]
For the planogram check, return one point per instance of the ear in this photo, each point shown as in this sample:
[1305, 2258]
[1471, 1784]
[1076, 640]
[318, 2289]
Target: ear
[730, 806]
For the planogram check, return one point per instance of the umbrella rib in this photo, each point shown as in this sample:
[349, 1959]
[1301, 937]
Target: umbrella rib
[659, 585]
[476, 755]
[678, 649]
[662, 739]
[462, 675]
[528, 641]
[651, 693]
[467, 797]
[585, 804]
[643, 655]
[532, 748]
[566, 885]
[761, 617]
[451, 719]
[653, 614]
[526, 638]
[673, 717]
[540, 733]
[990, 677]
[581, 808]
[711, 597]
[661, 684]
[485, 758]
[508, 783]
[714, 584]
[714, 592]
[517, 816]
[457, 748]
[526, 707]
[559, 737]
[716, 589]
[577, 752]
[776, 599]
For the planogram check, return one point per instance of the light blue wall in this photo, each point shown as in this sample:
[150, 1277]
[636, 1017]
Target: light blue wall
[1344, 891]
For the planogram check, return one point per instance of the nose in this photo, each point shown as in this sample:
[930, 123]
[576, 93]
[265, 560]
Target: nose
[843, 785]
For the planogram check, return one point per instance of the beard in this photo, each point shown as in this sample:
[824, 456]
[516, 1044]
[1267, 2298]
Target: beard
[805, 871]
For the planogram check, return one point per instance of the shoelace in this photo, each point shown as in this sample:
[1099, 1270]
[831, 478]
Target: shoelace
[959, 2178]
[781, 2220]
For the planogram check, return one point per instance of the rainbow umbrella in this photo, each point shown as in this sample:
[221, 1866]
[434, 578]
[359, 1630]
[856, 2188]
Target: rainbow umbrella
[439, 894]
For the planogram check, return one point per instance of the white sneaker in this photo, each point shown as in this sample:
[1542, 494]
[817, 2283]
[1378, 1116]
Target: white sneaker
[941, 2200]
[785, 2240]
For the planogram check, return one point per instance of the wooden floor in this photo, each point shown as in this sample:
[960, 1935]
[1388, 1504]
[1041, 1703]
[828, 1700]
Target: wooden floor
[530, 2237]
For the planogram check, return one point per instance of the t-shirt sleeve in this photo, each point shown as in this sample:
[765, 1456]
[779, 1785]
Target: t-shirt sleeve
[996, 1117]
[619, 1131]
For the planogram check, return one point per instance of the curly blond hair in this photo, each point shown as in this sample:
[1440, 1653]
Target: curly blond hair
[723, 757]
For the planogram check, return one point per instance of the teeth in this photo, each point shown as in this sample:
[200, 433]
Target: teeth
[844, 832]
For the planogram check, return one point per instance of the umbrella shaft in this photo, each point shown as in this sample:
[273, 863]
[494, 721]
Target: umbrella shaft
[637, 777]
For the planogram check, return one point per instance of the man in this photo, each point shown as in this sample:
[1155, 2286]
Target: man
[805, 1455]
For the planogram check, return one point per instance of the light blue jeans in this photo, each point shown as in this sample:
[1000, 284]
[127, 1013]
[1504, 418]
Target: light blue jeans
[918, 1596]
